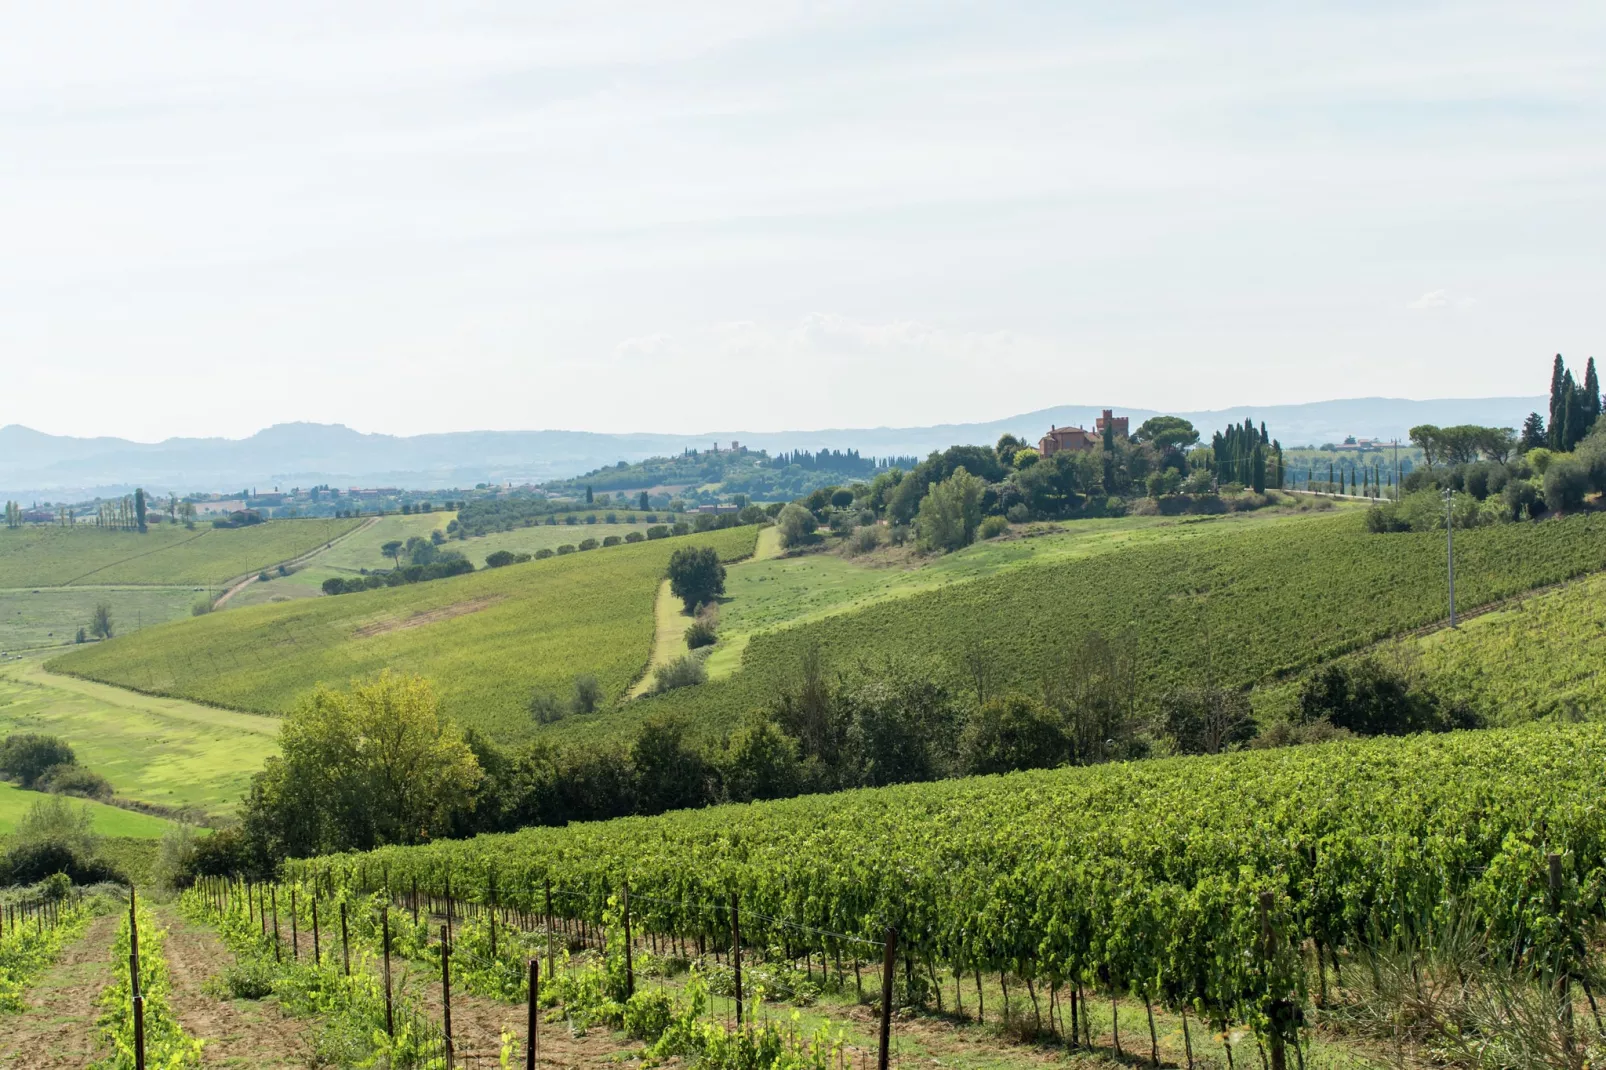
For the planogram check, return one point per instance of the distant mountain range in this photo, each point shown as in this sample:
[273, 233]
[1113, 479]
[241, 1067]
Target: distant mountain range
[38, 467]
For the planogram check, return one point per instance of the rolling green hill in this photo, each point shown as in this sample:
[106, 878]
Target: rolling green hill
[167, 555]
[1241, 604]
[488, 639]
[105, 820]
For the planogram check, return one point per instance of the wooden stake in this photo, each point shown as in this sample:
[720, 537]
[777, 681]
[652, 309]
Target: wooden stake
[736, 954]
[390, 1016]
[889, 963]
[532, 1037]
[345, 944]
[446, 991]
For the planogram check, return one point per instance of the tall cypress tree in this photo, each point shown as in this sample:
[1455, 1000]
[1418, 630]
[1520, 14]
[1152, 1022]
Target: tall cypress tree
[1591, 398]
[1558, 413]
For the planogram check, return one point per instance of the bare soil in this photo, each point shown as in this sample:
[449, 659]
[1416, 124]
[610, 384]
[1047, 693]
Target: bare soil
[236, 1032]
[418, 620]
[58, 1028]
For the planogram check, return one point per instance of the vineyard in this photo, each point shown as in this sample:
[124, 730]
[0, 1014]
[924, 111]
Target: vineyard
[33, 930]
[488, 639]
[1242, 605]
[1233, 886]
[167, 555]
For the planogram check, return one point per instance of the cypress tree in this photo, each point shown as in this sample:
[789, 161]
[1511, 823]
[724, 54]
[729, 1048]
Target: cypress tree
[1591, 398]
[1558, 417]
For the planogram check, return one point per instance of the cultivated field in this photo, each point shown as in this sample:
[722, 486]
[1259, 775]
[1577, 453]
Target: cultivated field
[1248, 603]
[488, 640]
[34, 617]
[154, 750]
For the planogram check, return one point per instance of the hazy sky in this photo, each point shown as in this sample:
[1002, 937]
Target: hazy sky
[409, 216]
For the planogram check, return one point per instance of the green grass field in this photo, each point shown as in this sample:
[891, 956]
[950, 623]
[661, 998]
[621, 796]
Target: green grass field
[108, 820]
[167, 555]
[34, 617]
[488, 640]
[1243, 603]
[156, 750]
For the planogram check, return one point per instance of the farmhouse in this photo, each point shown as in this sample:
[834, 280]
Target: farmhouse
[1075, 438]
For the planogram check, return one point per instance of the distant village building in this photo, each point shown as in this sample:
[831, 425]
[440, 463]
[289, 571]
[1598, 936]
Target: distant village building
[1075, 438]
[718, 510]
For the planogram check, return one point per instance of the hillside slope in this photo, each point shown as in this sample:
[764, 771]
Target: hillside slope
[488, 639]
[164, 556]
[1238, 605]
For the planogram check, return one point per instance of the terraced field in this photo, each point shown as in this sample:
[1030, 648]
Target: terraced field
[488, 640]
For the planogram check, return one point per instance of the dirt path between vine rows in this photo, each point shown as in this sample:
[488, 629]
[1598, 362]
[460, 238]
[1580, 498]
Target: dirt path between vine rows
[58, 1029]
[243, 1033]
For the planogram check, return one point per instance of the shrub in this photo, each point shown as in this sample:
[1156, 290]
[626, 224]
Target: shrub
[588, 544]
[1018, 513]
[201, 608]
[796, 524]
[700, 634]
[685, 671]
[648, 1013]
[992, 527]
[612, 540]
[1370, 698]
[1015, 732]
[72, 779]
[499, 559]
[635, 536]
[28, 756]
[658, 531]
[591, 519]
[566, 548]
[864, 540]
[587, 694]
[262, 577]
[1566, 483]
[546, 707]
[543, 553]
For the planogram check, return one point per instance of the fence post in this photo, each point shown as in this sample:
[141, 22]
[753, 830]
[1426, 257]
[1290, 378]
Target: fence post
[317, 959]
[1279, 1055]
[532, 1036]
[415, 899]
[295, 930]
[736, 952]
[345, 944]
[630, 966]
[889, 965]
[1564, 973]
[137, 1000]
[390, 1016]
[446, 990]
[549, 959]
[277, 957]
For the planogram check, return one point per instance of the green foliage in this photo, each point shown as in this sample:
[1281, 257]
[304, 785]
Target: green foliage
[992, 527]
[372, 765]
[684, 671]
[796, 524]
[166, 1044]
[30, 946]
[472, 635]
[701, 634]
[1014, 732]
[1281, 597]
[696, 575]
[950, 513]
[26, 756]
[588, 694]
[1143, 877]
[1370, 697]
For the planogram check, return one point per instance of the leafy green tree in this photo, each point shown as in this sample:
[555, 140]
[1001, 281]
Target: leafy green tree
[696, 575]
[27, 756]
[1370, 698]
[1013, 732]
[100, 625]
[1167, 433]
[1566, 483]
[588, 695]
[670, 775]
[1533, 433]
[372, 765]
[761, 762]
[796, 524]
[951, 512]
[1207, 720]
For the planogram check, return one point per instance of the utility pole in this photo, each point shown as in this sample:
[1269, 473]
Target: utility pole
[1449, 537]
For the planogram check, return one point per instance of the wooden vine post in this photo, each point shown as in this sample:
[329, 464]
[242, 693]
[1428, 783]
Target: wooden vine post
[137, 1001]
[390, 1015]
[446, 991]
[295, 929]
[1268, 933]
[549, 938]
[1564, 974]
[533, 1039]
[317, 957]
[345, 942]
[889, 964]
[630, 967]
[736, 953]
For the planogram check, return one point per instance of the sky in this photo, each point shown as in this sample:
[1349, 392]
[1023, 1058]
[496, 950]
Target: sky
[619, 215]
